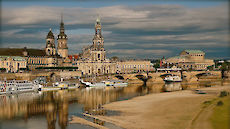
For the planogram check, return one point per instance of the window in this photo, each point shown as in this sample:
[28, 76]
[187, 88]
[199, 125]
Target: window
[99, 56]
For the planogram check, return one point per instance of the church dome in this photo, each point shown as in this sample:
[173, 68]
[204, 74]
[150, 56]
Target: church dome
[50, 35]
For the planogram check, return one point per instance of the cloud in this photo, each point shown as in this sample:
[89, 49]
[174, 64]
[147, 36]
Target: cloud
[140, 51]
[138, 31]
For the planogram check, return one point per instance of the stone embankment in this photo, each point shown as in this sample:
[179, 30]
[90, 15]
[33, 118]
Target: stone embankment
[188, 76]
[33, 75]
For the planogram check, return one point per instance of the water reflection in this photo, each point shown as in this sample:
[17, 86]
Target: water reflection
[174, 86]
[56, 107]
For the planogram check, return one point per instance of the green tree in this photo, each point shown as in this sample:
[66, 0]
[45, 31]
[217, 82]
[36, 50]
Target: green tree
[225, 66]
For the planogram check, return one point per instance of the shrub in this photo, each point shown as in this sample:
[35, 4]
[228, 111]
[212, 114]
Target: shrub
[219, 103]
[223, 93]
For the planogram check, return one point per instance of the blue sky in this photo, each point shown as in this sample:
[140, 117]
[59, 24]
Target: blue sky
[131, 28]
[102, 3]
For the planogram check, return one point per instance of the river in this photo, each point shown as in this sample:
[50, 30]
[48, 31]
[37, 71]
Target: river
[53, 109]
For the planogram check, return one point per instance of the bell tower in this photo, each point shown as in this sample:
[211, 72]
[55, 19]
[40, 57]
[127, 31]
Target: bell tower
[98, 51]
[62, 41]
[98, 40]
[50, 45]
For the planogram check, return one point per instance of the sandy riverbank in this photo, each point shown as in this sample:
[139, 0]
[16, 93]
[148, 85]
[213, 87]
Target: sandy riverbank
[171, 110]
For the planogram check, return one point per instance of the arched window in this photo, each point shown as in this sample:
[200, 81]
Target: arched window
[99, 56]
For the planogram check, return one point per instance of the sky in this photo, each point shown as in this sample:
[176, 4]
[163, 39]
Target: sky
[131, 28]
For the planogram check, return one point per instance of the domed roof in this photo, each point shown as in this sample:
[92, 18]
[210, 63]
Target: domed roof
[50, 35]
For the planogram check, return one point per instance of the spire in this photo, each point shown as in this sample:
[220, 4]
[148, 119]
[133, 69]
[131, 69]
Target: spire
[62, 29]
[50, 34]
[98, 20]
[61, 17]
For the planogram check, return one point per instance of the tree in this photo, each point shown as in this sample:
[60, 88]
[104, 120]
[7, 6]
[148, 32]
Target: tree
[157, 64]
[225, 66]
[114, 58]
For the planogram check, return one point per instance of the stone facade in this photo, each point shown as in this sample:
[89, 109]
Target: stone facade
[190, 59]
[13, 63]
[92, 60]
[48, 57]
[133, 66]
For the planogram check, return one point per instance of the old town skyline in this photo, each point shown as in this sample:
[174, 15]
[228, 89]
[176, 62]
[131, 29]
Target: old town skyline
[147, 31]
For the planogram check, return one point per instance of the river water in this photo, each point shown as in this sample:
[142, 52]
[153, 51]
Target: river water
[54, 109]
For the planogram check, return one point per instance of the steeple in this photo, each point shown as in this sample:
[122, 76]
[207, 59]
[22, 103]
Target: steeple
[62, 34]
[98, 40]
[50, 44]
[98, 21]
[50, 35]
[62, 40]
[62, 29]
[98, 27]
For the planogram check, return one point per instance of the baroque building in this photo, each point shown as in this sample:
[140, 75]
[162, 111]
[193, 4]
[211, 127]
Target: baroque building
[12, 63]
[190, 59]
[39, 58]
[129, 66]
[92, 60]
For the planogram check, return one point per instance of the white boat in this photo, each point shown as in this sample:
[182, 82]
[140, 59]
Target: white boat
[73, 85]
[61, 86]
[172, 78]
[114, 83]
[17, 86]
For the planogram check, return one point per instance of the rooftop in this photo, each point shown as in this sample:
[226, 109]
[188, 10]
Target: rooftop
[193, 51]
[19, 52]
[16, 58]
[177, 57]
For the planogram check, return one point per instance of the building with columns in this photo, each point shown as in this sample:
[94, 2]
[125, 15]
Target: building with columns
[12, 63]
[92, 60]
[189, 59]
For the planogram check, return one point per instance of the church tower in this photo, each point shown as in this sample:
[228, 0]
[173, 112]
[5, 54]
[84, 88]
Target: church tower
[50, 45]
[98, 51]
[98, 40]
[62, 41]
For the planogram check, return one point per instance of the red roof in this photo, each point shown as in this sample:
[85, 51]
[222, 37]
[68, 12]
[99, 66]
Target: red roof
[70, 57]
[76, 56]
[73, 57]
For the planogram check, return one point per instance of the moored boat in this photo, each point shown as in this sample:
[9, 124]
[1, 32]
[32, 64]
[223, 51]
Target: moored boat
[17, 86]
[172, 78]
[114, 83]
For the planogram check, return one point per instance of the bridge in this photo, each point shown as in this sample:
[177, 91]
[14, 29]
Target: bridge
[188, 76]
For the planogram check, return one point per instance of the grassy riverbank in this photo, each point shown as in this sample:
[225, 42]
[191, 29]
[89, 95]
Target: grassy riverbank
[220, 118]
